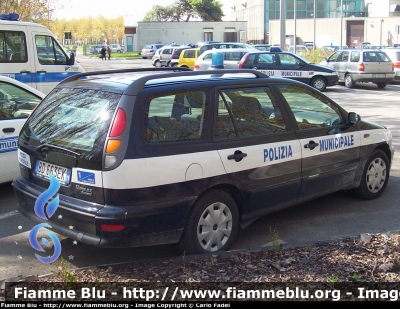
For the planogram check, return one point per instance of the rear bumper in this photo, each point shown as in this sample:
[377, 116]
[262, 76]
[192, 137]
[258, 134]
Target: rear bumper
[359, 77]
[332, 80]
[145, 225]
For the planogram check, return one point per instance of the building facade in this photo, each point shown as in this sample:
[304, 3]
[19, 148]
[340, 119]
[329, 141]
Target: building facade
[325, 21]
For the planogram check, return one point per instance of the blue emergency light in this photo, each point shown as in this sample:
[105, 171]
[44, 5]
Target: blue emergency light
[217, 61]
[11, 16]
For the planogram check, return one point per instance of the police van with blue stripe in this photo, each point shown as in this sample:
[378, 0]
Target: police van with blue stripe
[31, 54]
[277, 63]
[151, 156]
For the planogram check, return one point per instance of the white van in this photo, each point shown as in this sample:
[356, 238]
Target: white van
[31, 54]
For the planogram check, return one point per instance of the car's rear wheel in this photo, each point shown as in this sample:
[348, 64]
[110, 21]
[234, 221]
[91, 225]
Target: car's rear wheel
[144, 57]
[157, 64]
[375, 176]
[381, 85]
[212, 224]
[318, 83]
[174, 64]
[349, 82]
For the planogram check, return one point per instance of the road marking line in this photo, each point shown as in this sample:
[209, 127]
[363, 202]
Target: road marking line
[9, 214]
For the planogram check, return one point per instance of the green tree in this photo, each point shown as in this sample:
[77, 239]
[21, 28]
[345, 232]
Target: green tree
[184, 10]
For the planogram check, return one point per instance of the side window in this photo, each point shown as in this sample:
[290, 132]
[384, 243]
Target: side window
[16, 102]
[266, 59]
[250, 59]
[344, 56]
[355, 56]
[177, 116]
[247, 112]
[288, 60]
[190, 54]
[334, 57]
[48, 51]
[310, 109]
[13, 47]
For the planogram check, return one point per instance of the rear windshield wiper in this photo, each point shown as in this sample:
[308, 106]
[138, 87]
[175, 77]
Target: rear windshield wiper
[47, 147]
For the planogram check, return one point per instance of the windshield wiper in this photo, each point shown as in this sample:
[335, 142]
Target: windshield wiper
[47, 147]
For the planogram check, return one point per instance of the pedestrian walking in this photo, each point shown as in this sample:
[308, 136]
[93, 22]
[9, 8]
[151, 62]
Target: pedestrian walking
[109, 51]
[74, 48]
[103, 53]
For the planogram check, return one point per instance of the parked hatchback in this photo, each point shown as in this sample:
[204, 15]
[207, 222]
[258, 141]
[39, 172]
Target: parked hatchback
[394, 55]
[141, 158]
[361, 66]
[188, 57]
[148, 51]
[174, 61]
[163, 56]
[116, 48]
[230, 58]
[95, 49]
[17, 100]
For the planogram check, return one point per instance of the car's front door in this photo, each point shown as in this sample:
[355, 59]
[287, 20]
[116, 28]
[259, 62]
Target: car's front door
[330, 146]
[257, 148]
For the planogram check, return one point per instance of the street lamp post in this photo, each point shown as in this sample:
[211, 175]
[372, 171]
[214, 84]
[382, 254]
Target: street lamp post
[341, 22]
[380, 37]
[315, 16]
[282, 16]
[295, 32]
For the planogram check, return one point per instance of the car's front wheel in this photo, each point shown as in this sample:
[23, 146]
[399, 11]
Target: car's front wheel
[318, 83]
[212, 224]
[349, 82]
[375, 176]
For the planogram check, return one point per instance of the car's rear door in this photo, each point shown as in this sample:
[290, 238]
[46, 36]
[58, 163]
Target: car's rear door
[257, 147]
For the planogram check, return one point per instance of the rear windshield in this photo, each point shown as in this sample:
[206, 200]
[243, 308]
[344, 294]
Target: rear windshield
[375, 56]
[75, 119]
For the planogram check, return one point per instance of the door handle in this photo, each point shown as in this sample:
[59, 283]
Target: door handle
[311, 145]
[41, 71]
[24, 72]
[237, 156]
[8, 130]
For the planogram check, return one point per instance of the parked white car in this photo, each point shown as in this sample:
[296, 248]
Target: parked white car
[17, 100]
[231, 58]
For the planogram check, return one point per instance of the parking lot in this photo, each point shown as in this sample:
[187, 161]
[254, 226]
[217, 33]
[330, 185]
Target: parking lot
[323, 219]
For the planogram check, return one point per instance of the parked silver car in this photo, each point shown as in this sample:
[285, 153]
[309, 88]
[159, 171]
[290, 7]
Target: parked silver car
[149, 50]
[116, 48]
[394, 55]
[361, 66]
[95, 49]
[231, 58]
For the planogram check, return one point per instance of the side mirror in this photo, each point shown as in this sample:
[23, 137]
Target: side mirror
[71, 59]
[353, 118]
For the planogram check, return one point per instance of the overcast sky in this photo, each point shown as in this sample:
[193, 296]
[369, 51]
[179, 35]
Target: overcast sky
[136, 9]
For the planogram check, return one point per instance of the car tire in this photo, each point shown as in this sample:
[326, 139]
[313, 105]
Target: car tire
[174, 65]
[374, 177]
[349, 82]
[212, 224]
[157, 64]
[144, 57]
[381, 85]
[319, 83]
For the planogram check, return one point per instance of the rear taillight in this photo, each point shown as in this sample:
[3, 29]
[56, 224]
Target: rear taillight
[112, 227]
[160, 57]
[113, 145]
[119, 123]
[196, 66]
[240, 66]
[361, 67]
[396, 65]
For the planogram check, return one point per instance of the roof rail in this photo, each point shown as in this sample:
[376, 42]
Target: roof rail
[135, 87]
[11, 16]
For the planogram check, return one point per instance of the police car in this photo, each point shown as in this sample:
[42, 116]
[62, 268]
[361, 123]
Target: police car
[17, 100]
[285, 64]
[151, 156]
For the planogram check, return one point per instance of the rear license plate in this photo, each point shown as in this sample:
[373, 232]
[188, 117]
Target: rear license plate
[62, 174]
[378, 75]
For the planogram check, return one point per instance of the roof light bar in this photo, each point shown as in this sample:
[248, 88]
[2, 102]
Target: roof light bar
[11, 16]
